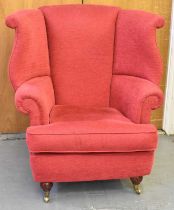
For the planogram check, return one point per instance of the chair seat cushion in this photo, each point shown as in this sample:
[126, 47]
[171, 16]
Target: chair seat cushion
[85, 130]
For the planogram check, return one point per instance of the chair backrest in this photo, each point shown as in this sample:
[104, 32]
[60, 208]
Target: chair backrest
[81, 45]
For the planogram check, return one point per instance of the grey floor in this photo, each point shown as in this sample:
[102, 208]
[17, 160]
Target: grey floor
[19, 192]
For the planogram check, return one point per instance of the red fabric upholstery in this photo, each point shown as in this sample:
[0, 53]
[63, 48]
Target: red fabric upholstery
[98, 57]
[89, 167]
[31, 38]
[36, 97]
[136, 52]
[81, 52]
[103, 130]
[136, 97]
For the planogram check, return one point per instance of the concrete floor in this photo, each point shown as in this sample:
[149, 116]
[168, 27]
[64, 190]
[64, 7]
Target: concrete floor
[19, 192]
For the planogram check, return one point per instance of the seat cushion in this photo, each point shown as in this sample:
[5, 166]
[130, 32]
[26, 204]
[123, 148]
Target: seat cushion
[84, 130]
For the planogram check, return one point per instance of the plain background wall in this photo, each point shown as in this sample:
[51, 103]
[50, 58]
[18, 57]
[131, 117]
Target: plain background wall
[13, 121]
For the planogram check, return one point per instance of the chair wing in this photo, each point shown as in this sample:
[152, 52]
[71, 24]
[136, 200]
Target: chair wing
[137, 66]
[29, 69]
[136, 51]
[29, 56]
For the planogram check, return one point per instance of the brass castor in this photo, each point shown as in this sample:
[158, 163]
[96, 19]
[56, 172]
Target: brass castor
[137, 189]
[46, 197]
[46, 187]
[136, 183]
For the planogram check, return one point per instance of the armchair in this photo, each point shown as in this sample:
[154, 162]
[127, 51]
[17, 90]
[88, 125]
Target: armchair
[88, 76]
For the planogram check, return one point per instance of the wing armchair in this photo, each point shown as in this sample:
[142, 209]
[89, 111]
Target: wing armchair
[88, 76]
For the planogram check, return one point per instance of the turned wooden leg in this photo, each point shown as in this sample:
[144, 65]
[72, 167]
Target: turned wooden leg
[136, 183]
[46, 187]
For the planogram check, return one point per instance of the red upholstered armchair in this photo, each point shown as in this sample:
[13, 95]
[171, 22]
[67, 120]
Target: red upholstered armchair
[88, 76]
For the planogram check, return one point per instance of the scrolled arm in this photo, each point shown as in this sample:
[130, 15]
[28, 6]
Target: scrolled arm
[36, 98]
[135, 97]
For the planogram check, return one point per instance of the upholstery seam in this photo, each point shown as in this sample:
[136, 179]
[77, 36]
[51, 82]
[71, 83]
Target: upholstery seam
[46, 30]
[17, 87]
[12, 55]
[88, 134]
[95, 151]
[135, 77]
[114, 52]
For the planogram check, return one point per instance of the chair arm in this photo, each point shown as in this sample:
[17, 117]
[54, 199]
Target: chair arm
[135, 97]
[36, 98]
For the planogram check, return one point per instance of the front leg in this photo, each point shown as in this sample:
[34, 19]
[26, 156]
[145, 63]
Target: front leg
[46, 186]
[136, 183]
